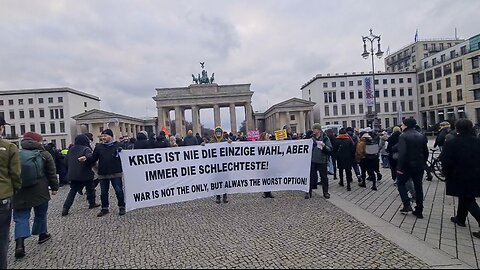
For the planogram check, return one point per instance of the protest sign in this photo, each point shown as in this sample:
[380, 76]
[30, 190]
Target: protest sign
[280, 134]
[253, 135]
[168, 175]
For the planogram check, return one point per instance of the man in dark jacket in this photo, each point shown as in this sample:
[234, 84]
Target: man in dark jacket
[79, 174]
[10, 183]
[190, 139]
[199, 139]
[412, 157]
[344, 150]
[322, 147]
[36, 196]
[392, 150]
[460, 158]
[444, 130]
[141, 142]
[109, 171]
[162, 141]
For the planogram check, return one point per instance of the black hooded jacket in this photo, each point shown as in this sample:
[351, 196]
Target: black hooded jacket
[79, 171]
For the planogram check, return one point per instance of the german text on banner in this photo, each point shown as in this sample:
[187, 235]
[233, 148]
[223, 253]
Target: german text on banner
[163, 176]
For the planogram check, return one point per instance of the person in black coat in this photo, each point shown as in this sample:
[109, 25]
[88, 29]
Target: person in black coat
[79, 174]
[393, 152]
[331, 135]
[344, 150]
[460, 158]
[142, 141]
[162, 141]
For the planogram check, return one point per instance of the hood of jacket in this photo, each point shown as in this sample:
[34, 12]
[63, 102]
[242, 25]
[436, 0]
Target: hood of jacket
[30, 144]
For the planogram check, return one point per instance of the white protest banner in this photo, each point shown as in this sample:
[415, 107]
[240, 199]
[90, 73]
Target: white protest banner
[162, 176]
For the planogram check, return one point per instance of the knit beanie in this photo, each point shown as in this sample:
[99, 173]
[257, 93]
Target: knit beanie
[34, 136]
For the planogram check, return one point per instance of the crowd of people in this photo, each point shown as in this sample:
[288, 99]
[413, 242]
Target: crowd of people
[30, 175]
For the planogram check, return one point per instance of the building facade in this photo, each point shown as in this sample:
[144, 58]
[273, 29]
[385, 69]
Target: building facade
[96, 121]
[296, 113]
[341, 99]
[409, 57]
[45, 111]
[449, 84]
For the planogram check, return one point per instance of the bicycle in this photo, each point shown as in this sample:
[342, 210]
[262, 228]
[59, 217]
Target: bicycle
[434, 165]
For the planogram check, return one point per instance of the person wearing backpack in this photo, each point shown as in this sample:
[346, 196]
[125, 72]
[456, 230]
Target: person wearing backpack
[38, 174]
[80, 174]
[10, 183]
[367, 155]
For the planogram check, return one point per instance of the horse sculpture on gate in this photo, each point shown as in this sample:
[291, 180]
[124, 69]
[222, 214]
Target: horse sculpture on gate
[204, 78]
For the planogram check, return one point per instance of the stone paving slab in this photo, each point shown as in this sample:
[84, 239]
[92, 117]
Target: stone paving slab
[436, 229]
[248, 232]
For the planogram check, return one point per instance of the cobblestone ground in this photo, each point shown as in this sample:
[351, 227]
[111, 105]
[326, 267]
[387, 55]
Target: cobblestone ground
[248, 232]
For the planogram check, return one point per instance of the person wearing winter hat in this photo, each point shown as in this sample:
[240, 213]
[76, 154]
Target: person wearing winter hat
[412, 158]
[10, 183]
[109, 171]
[142, 141]
[218, 138]
[322, 147]
[35, 192]
[79, 174]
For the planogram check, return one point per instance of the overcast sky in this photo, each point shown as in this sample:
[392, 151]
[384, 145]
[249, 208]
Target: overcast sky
[122, 50]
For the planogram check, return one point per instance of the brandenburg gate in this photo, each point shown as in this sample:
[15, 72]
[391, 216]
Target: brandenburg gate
[203, 94]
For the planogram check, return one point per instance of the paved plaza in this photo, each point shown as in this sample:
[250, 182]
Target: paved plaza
[435, 229]
[248, 232]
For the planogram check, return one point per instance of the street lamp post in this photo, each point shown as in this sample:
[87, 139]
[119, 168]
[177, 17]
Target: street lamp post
[365, 55]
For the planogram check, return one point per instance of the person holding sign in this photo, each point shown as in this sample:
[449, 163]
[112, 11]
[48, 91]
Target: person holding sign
[217, 138]
[322, 147]
[266, 137]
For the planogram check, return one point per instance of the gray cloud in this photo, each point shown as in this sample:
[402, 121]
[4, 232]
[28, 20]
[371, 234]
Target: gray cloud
[122, 50]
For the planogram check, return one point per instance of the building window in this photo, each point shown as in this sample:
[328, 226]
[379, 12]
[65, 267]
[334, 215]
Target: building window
[31, 113]
[429, 75]
[459, 95]
[13, 131]
[430, 100]
[20, 102]
[1, 102]
[386, 108]
[22, 114]
[62, 126]
[409, 80]
[325, 85]
[457, 66]
[359, 82]
[327, 111]
[392, 81]
[334, 84]
[476, 77]
[410, 105]
[335, 110]
[360, 94]
[342, 95]
[352, 108]
[40, 100]
[475, 62]
[353, 125]
[342, 84]
[52, 114]
[60, 99]
[463, 50]
[447, 69]
[362, 123]
[387, 122]
[439, 99]
[64, 143]
[292, 118]
[384, 81]
[438, 72]
[360, 108]
[448, 82]
[50, 100]
[52, 128]
[421, 77]
[394, 92]
[449, 97]
[352, 95]
[377, 93]
[425, 47]
[400, 80]
[61, 114]
[2, 115]
[344, 124]
[402, 91]
[42, 112]
[30, 101]
[402, 105]
[422, 89]
[376, 82]
[422, 102]
[10, 102]
[32, 127]
[42, 128]
[410, 91]
[385, 93]
[439, 85]
[430, 87]
[394, 106]
[22, 129]
[344, 109]
[476, 94]
[350, 83]
[325, 97]
[459, 79]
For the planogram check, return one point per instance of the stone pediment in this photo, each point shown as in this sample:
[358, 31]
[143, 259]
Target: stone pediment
[294, 102]
[94, 114]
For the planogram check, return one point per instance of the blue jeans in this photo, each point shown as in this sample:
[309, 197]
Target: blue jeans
[417, 177]
[22, 221]
[385, 161]
[5, 219]
[117, 186]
